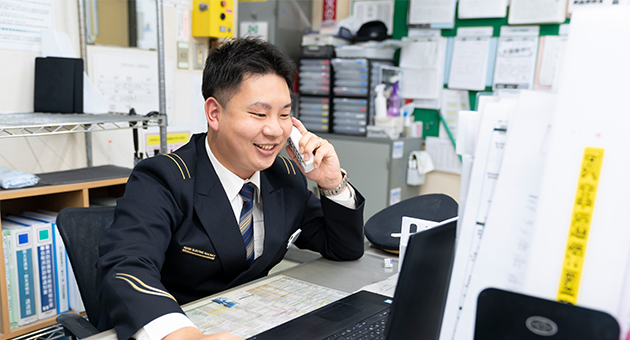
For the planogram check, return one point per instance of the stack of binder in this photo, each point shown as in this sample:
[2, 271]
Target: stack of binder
[37, 269]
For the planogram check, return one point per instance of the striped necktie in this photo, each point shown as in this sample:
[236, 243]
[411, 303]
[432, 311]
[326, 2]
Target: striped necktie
[246, 223]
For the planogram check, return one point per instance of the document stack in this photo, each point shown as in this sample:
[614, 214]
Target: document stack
[37, 268]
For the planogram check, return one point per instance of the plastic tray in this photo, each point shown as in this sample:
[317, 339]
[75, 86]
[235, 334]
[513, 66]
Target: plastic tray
[351, 108]
[314, 62]
[349, 101]
[314, 100]
[314, 120]
[313, 113]
[350, 91]
[354, 130]
[316, 127]
[313, 107]
[349, 115]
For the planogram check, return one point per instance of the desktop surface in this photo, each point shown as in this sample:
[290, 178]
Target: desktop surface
[317, 270]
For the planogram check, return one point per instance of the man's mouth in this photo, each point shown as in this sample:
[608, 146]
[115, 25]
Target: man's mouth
[265, 146]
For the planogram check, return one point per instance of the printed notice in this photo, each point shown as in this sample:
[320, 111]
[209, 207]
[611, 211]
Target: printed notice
[516, 60]
[22, 21]
[259, 306]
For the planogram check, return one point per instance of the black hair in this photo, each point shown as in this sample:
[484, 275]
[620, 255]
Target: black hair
[228, 64]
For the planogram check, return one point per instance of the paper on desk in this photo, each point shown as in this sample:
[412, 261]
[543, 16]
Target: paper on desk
[550, 49]
[386, 287]
[432, 12]
[591, 99]
[469, 63]
[468, 123]
[537, 11]
[485, 171]
[585, 5]
[453, 101]
[504, 249]
[57, 44]
[472, 9]
[443, 155]
[259, 306]
[515, 63]
[422, 61]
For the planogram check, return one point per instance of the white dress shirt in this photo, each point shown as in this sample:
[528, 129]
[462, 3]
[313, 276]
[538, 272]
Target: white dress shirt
[232, 184]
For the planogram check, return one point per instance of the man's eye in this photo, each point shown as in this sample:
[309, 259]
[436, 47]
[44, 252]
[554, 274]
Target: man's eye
[257, 114]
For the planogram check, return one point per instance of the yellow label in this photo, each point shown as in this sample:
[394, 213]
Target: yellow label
[580, 225]
[171, 138]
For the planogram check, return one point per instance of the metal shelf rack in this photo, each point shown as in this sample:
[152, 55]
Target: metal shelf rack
[38, 124]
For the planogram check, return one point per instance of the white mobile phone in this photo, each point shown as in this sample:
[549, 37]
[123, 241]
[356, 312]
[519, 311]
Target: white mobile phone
[294, 142]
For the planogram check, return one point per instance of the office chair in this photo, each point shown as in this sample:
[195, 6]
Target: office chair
[431, 207]
[81, 230]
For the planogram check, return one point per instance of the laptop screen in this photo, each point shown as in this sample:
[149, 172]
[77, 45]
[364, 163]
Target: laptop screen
[423, 284]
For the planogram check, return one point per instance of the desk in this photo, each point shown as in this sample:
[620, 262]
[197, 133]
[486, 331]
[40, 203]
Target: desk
[347, 276]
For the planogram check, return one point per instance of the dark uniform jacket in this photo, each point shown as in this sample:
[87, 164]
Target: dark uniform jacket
[175, 238]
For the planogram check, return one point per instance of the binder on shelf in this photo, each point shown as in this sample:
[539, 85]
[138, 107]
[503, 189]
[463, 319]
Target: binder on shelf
[75, 303]
[58, 85]
[18, 243]
[43, 264]
[60, 260]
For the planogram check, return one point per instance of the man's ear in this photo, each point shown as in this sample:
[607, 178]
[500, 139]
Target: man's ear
[213, 111]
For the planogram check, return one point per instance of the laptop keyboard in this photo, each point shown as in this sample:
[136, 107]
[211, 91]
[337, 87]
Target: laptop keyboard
[370, 328]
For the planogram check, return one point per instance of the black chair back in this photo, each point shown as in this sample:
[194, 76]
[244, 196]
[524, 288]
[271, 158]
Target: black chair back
[81, 230]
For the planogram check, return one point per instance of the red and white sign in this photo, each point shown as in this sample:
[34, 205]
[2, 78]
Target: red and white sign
[330, 10]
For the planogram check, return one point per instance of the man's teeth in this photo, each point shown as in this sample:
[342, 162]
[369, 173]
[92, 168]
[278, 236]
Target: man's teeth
[265, 147]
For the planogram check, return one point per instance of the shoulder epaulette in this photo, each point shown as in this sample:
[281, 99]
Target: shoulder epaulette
[175, 158]
[287, 163]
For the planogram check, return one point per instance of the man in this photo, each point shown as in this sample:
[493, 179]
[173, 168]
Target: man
[184, 228]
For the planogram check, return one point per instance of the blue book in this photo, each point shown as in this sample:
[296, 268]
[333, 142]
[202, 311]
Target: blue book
[60, 256]
[44, 264]
[18, 242]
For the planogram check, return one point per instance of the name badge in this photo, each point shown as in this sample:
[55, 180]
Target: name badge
[197, 252]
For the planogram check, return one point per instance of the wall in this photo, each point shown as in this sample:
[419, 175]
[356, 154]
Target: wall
[37, 154]
[63, 152]
[441, 183]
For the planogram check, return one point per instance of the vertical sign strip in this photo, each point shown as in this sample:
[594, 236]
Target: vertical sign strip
[580, 225]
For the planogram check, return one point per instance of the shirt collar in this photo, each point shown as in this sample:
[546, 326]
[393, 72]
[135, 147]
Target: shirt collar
[232, 184]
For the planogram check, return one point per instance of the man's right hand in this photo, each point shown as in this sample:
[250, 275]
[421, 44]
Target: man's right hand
[191, 333]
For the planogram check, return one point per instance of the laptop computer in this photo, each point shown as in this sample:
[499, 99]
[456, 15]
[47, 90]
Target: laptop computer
[416, 309]
[508, 315]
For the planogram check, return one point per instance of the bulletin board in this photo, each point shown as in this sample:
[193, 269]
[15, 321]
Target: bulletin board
[430, 118]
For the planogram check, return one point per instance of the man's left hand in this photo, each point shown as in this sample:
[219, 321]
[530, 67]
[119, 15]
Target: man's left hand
[327, 172]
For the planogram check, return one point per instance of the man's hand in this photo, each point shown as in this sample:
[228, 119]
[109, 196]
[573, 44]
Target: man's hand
[327, 172]
[191, 333]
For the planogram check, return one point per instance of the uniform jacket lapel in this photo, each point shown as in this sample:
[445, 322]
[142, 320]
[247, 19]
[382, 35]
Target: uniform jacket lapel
[211, 205]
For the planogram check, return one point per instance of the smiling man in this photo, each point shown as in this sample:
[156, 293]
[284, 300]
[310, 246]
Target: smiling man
[223, 209]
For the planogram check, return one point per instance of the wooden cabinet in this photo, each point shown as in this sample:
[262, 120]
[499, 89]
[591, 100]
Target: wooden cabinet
[52, 198]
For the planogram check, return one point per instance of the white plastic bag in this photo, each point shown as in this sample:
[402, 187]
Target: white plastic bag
[13, 179]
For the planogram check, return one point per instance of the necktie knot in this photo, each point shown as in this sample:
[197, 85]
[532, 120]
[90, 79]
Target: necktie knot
[247, 192]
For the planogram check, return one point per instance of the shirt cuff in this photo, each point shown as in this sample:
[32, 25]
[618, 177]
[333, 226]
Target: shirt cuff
[163, 326]
[345, 198]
